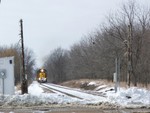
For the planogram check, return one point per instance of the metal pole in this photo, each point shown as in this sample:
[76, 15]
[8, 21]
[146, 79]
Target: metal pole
[129, 58]
[3, 85]
[116, 74]
[118, 66]
[24, 85]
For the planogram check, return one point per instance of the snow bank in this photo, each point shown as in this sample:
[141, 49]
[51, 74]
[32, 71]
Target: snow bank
[34, 89]
[132, 97]
[100, 87]
[92, 83]
[35, 97]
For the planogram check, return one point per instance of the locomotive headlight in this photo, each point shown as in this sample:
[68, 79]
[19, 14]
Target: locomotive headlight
[42, 70]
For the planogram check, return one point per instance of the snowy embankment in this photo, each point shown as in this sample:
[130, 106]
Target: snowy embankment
[130, 98]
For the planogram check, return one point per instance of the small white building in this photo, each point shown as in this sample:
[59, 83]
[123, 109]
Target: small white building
[7, 76]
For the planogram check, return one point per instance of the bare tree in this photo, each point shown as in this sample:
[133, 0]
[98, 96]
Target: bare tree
[56, 65]
[14, 50]
[94, 56]
[29, 63]
[138, 20]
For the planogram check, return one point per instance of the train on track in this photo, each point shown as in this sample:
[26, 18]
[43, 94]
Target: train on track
[41, 75]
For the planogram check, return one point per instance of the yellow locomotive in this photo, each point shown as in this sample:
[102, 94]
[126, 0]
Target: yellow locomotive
[42, 75]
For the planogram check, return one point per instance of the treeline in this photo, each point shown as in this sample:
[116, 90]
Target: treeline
[15, 50]
[94, 56]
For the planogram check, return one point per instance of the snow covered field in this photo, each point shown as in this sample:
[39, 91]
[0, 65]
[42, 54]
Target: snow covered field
[124, 98]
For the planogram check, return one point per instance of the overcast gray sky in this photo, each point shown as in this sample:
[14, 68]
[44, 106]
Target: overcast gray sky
[49, 24]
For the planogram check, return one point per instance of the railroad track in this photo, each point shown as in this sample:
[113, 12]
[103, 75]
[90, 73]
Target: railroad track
[76, 93]
[62, 92]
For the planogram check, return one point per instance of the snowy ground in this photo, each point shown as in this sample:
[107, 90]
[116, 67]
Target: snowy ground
[124, 98]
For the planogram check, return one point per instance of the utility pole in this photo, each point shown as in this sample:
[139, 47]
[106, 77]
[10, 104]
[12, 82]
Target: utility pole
[117, 73]
[129, 66]
[24, 85]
